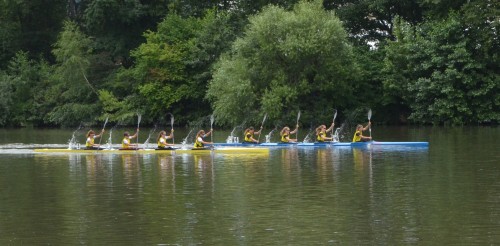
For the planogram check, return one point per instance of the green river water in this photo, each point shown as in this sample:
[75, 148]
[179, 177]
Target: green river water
[446, 194]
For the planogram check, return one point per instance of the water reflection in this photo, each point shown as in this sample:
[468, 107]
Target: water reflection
[325, 162]
[166, 164]
[290, 164]
[94, 167]
[132, 173]
[204, 169]
[293, 196]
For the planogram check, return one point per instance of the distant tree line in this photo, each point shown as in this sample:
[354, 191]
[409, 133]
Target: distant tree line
[422, 62]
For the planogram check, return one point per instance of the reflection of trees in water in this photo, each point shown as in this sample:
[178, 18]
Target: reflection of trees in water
[362, 158]
[98, 171]
[132, 173]
[330, 165]
[204, 169]
[324, 164]
[290, 164]
[93, 163]
[166, 165]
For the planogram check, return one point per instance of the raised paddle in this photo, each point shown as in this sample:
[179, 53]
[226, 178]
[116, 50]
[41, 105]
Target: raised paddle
[172, 127]
[261, 126]
[138, 122]
[333, 121]
[100, 138]
[369, 118]
[211, 124]
[297, 132]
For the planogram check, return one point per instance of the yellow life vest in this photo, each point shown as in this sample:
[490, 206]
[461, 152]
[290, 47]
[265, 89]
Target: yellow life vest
[321, 137]
[90, 143]
[357, 137]
[126, 143]
[198, 144]
[160, 144]
[284, 138]
[248, 137]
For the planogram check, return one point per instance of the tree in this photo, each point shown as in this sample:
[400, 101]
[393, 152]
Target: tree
[77, 96]
[29, 25]
[21, 85]
[372, 21]
[438, 72]
[285, 61]
[117, 26]
[173, 67]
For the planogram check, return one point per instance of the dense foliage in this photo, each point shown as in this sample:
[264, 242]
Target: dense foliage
[285, 61]
[443, 74]
[67, 62]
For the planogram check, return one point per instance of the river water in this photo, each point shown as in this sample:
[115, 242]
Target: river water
[448, 193]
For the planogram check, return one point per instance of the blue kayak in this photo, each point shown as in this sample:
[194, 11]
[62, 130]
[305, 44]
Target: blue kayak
[325, 144]
[253, 144]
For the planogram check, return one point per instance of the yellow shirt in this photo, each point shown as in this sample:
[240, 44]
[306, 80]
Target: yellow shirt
[162, 142]
[90, 142]
[126, 143]
[248, 137]
[284, 138]
[198, 143]
[357, 137]
[321, 137]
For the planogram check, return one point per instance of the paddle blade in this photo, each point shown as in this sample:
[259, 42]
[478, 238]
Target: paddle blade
[369, 114]
[139, 117]
[298, 117]
[335, 115]
[212, 119]
[172, 120]
[264, 120]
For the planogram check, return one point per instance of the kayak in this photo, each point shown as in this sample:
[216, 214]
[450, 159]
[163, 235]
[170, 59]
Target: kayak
[240, 150]
[367, 144]
[251, 144]
[326, 144]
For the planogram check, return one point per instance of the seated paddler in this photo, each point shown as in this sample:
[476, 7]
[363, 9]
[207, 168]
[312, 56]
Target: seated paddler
[321, 132]
[127, 143]
[285, 134]
[162, 139]
[198, 141]
[358, 135]
[249, 135]
[89, 144]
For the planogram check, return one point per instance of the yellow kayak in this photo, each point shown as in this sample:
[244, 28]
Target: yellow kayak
[159, 151]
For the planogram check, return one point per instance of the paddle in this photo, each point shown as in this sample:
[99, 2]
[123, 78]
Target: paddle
[369, 117]
[211, 124]
[297, 132]
[138, 122]
[172, 127]
[261, 126]
[333, 121]
[100, 138]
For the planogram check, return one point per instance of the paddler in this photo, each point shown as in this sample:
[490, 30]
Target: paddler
[321, 133]
[162, 139]
[285, 134]
[198, 141]
[126, 143]
[248, 135]
[358, 135]
[89, 144]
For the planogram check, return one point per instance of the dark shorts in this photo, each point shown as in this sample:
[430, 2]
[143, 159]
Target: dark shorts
[363, 140]
[164, 148]
[94, 148]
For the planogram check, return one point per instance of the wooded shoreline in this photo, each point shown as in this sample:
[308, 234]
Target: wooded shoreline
[412, 62]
